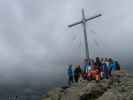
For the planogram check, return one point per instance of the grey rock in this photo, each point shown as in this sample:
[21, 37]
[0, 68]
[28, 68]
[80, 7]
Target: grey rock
[92, 90]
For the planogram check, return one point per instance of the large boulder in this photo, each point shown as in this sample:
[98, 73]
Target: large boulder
[93, 90]
[83, 90]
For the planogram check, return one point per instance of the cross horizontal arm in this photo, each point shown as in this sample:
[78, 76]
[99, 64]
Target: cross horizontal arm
[75, 24]
[93, 17]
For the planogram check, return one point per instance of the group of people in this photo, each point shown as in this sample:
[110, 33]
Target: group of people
[100, 68]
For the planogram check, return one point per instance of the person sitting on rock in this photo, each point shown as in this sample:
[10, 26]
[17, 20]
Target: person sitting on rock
[98, 73]
[70, 75]
[95, 73]
[77, 73]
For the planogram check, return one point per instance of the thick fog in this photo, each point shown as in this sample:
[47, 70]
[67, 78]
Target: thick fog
[35, 41]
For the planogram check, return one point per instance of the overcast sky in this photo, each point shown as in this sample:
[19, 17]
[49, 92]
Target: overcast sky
[34, 33]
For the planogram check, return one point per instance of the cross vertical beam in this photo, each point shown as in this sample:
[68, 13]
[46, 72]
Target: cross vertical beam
[85, 35]
[83, 22]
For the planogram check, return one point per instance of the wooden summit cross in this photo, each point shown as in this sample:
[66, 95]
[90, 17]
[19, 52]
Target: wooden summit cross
[83, 22]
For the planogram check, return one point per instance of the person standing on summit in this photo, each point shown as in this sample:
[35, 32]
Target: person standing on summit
[70, 74]
[98, 65]
[77, 73]
[112, 67]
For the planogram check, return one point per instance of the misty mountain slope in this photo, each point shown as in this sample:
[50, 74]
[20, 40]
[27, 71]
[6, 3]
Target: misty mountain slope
[32, 85]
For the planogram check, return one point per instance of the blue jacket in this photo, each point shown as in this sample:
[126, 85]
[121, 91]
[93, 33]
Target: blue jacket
[113, 66]
[70, 71]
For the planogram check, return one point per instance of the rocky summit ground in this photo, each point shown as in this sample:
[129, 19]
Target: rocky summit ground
[116, 89]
